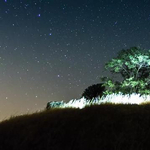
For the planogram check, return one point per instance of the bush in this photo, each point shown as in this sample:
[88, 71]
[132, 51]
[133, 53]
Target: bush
[93, 91]
[54, 104]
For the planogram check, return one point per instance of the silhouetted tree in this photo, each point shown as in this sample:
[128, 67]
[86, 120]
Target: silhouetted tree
[93, 91]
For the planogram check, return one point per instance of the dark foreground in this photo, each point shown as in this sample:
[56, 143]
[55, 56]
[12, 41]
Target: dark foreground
[104, 127]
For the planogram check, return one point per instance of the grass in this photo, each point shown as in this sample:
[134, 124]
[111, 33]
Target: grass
[98, 127]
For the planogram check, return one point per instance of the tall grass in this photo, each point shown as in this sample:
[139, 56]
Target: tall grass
[115, 98]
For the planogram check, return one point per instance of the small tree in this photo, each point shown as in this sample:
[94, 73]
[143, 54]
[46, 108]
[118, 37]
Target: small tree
[93, 91]
[134, 67]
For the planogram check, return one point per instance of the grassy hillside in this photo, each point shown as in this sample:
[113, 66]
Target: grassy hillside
[103, 127]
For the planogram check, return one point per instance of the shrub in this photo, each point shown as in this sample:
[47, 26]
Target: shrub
[93, 91]
[54, 104]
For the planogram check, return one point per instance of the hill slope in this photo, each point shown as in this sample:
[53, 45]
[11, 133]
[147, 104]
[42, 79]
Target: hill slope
[103, 127]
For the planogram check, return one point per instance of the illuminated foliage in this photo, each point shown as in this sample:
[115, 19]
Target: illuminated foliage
[113, 98]
[54, 104]
[134, 67]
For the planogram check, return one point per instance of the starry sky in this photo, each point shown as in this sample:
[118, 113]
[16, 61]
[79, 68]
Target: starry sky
[51, 50]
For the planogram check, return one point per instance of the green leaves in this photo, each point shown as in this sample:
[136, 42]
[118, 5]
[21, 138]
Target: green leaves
[134, 66]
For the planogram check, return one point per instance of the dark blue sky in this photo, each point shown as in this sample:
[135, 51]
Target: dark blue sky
[54, 49]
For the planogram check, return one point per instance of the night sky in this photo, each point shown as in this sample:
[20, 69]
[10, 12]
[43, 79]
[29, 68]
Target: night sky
[51, 50]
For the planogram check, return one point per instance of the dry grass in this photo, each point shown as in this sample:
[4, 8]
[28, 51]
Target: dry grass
[99, 127]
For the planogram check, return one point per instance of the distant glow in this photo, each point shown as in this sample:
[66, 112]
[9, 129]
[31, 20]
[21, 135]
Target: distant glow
[113, 98]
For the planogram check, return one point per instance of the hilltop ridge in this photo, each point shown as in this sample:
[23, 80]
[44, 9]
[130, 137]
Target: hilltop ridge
[99, 127]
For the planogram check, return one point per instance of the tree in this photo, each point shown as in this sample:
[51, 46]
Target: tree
[134, 67]
[93, 91]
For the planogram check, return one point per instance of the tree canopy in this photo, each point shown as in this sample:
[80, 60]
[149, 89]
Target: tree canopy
[93, 91]
[134, 67]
